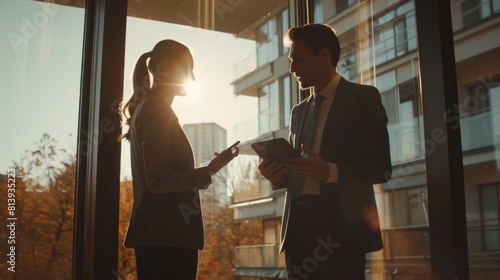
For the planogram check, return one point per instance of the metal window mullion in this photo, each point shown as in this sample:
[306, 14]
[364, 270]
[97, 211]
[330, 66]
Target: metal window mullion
[444, 162]
[98, 166]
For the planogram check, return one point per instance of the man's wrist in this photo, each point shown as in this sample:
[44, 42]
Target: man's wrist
[333, 173]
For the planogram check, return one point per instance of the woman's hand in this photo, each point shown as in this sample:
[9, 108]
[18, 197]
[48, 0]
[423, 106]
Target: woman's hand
[221, 160]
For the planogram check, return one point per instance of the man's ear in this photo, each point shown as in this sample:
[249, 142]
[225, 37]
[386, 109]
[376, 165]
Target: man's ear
[325, 54]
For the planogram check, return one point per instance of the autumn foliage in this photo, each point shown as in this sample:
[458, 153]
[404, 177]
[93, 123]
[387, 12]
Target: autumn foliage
[45, 193]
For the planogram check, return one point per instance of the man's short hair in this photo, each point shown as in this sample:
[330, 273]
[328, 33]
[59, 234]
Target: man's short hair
[316, 36]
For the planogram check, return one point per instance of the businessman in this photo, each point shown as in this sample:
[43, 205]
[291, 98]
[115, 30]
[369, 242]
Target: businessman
[330, 219]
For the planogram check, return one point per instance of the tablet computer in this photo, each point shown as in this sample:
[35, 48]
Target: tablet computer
[276, 149]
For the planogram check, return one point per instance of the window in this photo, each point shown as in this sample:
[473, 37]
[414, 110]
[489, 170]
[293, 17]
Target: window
[274, 105]
[287, 102]
[476, 10]
[490, 216]
[347, 65]
[480, 96]
[410, 207]
[42, 60]
[479, 114]
[267, 42]
[285, 25]
[269, 108]
[267, 38]
[404, 124]
[272, 231]
[408, 235]
[318, 11]
[270, 38]
[36, 29]
[395, 33]
[342, 5]
[401, 38]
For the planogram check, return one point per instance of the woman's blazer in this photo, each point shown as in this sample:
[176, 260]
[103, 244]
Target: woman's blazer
[166, 209]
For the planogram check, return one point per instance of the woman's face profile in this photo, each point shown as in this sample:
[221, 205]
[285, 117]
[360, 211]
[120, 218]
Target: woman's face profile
[175, 74]
[184, 73]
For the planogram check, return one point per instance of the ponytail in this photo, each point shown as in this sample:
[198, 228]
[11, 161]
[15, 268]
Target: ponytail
[141, 87]
[165, 50]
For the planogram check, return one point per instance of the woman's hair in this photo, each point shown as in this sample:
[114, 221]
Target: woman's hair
[149, 63]
[316, 36]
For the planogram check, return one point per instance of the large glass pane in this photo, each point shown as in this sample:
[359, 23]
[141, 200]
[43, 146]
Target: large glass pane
[489, 211]
[233, 98]
[477, 55]
[40, 76]
[381, 50]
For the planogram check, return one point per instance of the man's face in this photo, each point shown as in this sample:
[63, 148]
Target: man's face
[305, 65]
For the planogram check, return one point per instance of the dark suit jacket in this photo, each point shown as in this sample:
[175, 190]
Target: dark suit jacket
[166, 210]
[355, 137]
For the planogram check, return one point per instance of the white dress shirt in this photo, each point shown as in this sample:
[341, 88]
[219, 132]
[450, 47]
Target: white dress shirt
[311, 186]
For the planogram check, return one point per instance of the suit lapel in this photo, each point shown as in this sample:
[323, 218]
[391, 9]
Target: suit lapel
[335, 115]
[301, 121]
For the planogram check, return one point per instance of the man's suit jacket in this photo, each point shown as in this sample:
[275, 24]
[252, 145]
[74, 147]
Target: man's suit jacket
[166, 210]
[355, 137]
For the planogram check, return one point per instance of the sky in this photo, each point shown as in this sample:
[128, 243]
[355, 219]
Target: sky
[41, 45]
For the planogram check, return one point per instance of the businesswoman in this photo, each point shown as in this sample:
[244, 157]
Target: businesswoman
[166, 229]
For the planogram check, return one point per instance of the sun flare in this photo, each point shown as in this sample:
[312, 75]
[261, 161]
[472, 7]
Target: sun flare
[193, 92]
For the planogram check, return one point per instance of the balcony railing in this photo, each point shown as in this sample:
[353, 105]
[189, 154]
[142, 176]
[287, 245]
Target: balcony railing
[467, 16]
[406, 253]
[264, 53]
[407, 140]
[405, 249]
[478, 131]
[405, 243]
[484, 236]
[247, 130]
[246, 65]
[259, 256]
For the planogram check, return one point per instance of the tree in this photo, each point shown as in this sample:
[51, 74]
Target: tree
[126, 256]
[45, 189]
[217, 260]
[243, 180]
[44, 212]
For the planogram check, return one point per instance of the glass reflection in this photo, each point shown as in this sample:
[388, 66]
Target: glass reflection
[477, 52]
[380, 48]
[41, 57]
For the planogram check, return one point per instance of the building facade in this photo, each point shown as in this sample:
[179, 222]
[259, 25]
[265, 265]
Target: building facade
[380, 47]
